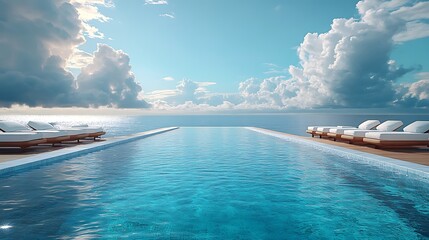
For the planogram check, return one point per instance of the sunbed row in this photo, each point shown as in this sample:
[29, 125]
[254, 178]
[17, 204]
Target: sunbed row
[13, 134]
[376, 133]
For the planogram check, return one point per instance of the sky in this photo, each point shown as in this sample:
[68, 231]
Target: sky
[215, 55]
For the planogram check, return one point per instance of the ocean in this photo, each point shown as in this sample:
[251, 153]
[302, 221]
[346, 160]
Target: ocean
[290, 123]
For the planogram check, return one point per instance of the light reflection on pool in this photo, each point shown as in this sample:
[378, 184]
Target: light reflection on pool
[212, 183]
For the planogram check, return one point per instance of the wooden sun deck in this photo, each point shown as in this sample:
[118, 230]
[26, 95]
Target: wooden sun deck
[418, 155]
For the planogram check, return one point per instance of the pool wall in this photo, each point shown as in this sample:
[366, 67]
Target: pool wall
[43, 158]
[418, 171]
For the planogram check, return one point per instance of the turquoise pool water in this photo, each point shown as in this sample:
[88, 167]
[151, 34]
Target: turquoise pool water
[211, 183]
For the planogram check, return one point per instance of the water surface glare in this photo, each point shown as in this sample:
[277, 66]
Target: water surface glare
[211, 183]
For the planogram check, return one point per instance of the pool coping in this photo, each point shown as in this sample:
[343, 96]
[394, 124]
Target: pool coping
[43, 158]
[399, 166]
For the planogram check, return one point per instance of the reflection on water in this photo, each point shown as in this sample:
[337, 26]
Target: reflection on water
[290, 123]
[211, 183]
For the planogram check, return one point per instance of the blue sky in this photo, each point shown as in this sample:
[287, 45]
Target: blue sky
[216, 55]
[216, 41]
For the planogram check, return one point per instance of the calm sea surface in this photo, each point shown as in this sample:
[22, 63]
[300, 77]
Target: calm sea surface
[290, 123]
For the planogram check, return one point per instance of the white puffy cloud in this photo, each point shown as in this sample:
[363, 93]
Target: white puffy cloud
[155, 2]
[108, 81]
[348, 66]
[88, 10]
[416, 94]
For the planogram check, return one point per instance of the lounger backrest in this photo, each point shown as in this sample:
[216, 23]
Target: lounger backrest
[389, 126]
[368, 124]
[417, 127]
[40, 125]
[9, 126]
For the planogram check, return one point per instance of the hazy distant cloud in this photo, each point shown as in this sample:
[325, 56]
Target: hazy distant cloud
[168, 78]
[414, 30]
[274, 69]
[168, 15]
[422, 75]
[416, 17]
[186, 90]
[156, 2]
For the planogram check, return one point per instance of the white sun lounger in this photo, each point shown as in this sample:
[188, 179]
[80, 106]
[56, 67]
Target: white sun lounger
[51, 136]
[357, 135]
[415, 134]
[93, 132]
[368, 124]
[313, 129]
[73, 133]
[20, 139]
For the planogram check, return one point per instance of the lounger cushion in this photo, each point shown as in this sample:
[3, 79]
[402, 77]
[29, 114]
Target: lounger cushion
[368, 124]
[398, 136]
[51, 133]
[71, 131]
[19, 137]
[389, 126]
[314, 128]
[341, 130]
[327, 129]
[358, 132]
[40, 125]
[91, 129]
[417, 127]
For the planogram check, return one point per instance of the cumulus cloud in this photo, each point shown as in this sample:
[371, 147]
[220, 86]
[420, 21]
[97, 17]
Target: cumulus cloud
[416, 95]
[39, 39]
[348, 66]
[34, 46]
[108, 81]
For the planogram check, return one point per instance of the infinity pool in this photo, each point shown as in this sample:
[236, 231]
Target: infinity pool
[211, 183]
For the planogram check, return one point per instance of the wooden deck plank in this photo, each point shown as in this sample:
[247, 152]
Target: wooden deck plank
[418, 155]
